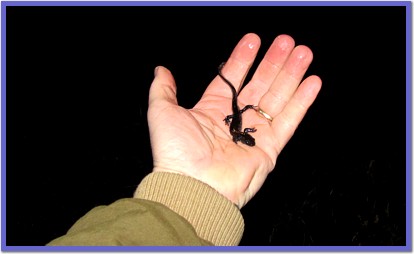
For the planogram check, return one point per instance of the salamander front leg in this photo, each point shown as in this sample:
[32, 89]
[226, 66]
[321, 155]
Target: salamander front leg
[247, 130]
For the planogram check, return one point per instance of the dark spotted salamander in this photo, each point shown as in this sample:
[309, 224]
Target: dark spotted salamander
[235, 120]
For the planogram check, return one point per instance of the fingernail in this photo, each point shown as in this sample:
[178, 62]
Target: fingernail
[156, 71]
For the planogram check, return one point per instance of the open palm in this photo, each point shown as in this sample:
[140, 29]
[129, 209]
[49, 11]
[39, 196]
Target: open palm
[197, 143]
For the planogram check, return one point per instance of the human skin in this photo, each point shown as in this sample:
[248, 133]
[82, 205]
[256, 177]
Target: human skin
[197, 143]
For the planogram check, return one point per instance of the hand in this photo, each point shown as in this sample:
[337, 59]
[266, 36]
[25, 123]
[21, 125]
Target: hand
[197, 143]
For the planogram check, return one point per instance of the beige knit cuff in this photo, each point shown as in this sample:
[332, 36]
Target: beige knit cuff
[214, 217]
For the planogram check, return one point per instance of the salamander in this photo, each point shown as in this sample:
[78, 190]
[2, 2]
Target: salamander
[235, 120]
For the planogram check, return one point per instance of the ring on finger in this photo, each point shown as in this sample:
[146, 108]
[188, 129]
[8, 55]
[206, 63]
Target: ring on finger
[264, 114]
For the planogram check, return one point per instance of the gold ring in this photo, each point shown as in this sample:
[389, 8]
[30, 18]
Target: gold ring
[266, 115]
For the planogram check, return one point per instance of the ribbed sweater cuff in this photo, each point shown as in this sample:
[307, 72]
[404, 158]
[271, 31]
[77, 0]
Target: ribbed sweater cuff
[214, 217]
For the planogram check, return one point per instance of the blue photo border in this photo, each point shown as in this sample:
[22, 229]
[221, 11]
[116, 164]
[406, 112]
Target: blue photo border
[406, 248]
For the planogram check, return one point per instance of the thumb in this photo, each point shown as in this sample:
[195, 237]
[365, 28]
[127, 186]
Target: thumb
[163, 88]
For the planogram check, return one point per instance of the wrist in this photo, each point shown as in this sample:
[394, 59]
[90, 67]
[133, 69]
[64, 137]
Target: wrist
[213, 216]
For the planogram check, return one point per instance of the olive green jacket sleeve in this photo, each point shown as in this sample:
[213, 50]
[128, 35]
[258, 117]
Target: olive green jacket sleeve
[167, 210]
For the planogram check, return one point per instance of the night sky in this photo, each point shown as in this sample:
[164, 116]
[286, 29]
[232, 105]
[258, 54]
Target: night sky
[77, 134]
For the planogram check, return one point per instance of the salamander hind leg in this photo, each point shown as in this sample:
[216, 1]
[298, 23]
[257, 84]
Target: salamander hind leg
[227, 120]
[247, 107]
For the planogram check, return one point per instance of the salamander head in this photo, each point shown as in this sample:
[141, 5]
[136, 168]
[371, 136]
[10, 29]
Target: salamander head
[245, 138]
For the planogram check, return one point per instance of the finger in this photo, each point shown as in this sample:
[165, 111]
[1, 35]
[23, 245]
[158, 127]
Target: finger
[163, 87]
[285, 123]
[237, 65]
[269, 68]
[287, 81]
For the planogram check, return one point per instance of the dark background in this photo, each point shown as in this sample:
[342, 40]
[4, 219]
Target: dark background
[77, 136]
